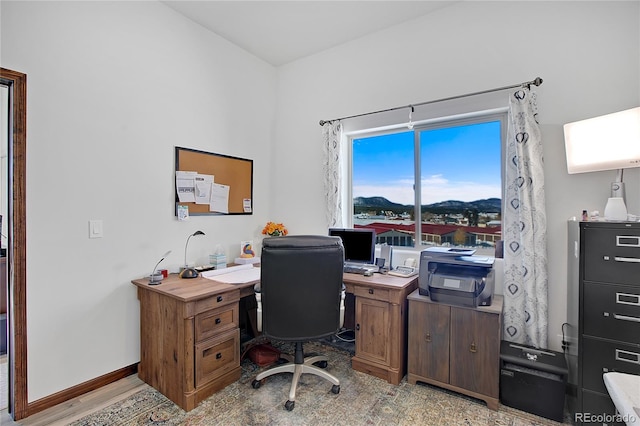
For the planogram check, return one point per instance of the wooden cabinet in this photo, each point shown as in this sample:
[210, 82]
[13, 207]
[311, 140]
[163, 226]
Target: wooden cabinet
[456, 348]
[189, 338]
[603, 311]
[380, 324]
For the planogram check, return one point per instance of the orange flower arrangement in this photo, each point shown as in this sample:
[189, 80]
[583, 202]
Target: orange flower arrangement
[274, 229]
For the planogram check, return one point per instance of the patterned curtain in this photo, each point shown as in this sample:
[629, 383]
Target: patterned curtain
[332, 134]
[525, 226]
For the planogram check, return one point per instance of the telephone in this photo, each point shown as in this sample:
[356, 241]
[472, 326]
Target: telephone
[407, 270]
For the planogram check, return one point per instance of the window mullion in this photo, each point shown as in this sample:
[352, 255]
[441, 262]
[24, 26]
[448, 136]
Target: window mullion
[417, 190]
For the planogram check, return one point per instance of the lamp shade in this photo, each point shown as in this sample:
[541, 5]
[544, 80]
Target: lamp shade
[607, 142]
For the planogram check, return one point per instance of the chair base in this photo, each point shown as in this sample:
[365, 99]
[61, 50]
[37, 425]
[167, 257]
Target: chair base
[299, 365]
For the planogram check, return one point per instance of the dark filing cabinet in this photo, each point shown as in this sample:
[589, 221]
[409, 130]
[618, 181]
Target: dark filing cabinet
[603, 312]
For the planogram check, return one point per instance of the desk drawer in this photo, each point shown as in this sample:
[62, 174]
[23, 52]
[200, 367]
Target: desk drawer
[216, 301]
[614, 311]
[372, 293]
[215, 321]
[602, 356]
[217, 356]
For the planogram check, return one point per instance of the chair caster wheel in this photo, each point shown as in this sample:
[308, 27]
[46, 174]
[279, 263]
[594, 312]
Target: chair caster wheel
[335, 389]
[321, 364]
[289, 405]
[256, 384]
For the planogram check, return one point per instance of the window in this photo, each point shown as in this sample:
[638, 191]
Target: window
[451, 169]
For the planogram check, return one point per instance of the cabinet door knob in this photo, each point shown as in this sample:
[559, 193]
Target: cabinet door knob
[473, 348]
[428, 337]
[357, 327]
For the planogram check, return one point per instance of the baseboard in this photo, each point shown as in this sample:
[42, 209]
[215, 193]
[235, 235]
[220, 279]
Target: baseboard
[81, 389]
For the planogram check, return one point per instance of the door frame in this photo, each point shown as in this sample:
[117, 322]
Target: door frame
[17, 249]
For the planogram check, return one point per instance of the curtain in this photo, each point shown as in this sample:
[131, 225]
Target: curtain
[525, 226]
[332, 134]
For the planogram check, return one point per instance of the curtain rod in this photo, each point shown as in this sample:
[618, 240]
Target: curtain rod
[536, 82]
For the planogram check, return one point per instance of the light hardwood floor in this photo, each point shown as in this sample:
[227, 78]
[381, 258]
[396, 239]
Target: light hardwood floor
[81, 406]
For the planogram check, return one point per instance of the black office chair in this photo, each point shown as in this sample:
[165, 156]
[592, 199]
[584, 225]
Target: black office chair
[300, 298]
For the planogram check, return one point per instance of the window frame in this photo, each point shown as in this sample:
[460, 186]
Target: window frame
[476, 117]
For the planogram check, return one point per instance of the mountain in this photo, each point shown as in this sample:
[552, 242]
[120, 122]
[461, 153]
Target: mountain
[489, 205]
[377, 202]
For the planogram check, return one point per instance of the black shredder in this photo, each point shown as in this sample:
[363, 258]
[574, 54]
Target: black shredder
[533, 380]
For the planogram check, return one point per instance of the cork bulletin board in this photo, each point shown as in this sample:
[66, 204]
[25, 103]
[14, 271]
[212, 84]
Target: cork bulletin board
[236, 173]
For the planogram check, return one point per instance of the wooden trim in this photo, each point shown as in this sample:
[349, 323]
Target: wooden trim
[17, 253]
[81, 389]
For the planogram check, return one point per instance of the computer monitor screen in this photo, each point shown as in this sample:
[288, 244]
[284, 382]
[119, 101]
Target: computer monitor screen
[359, 244]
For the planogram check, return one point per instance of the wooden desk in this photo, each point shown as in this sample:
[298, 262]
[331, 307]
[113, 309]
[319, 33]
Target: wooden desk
[190, 338]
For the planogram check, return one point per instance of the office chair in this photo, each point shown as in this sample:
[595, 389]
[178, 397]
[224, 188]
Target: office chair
[300, 298]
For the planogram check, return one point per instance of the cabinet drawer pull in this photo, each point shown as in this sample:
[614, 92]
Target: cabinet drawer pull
[428, 337]
[370, 291]
[357, 327]
[473, 348]
[627, 241]
[219, 299]
[626, 318]
[218, 355]
[218, 320]
[628, 299]
[627, 259]
[627, 356]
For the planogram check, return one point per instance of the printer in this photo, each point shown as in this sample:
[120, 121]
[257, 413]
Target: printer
[456, 276]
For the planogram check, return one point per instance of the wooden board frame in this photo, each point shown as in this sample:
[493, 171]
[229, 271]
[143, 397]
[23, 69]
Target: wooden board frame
[235, 172]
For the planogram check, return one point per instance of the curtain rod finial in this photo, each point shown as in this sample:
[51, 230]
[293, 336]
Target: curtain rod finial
[322, 122]
[537, 81]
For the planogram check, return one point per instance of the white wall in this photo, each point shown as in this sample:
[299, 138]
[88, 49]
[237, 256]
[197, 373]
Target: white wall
[588, 54]
[112, 88]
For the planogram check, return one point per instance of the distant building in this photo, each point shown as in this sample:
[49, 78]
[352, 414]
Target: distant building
[403, 234]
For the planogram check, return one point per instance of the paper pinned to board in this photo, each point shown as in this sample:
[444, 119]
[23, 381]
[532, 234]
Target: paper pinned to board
[240, 274]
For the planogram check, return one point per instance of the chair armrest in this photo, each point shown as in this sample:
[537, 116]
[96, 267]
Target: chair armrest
[342, 296]
[256, 289]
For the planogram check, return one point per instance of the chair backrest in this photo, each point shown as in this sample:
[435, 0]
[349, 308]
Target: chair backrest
[301, 284]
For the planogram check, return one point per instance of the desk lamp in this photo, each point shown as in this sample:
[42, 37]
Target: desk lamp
[186, 271]
[607, 142]
[155, 279]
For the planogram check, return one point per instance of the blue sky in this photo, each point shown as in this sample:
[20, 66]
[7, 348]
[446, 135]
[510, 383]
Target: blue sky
[458, 163]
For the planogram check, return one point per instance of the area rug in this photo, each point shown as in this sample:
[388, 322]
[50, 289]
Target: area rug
[363, 400]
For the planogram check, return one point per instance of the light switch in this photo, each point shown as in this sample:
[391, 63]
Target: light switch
[95, 229]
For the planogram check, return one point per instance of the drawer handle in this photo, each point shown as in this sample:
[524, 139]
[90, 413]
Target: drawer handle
[370, 291]
[626, 318]
[627, 356]
[627, 241]
[626, 259]
[218, 320]
[628, 299]
[428, 337]
[357, 327]
[219, 299]
[208, 352]
[473, 348]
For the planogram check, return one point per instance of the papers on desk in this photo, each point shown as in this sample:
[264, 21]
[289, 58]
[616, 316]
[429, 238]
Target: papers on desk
[234, 274]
